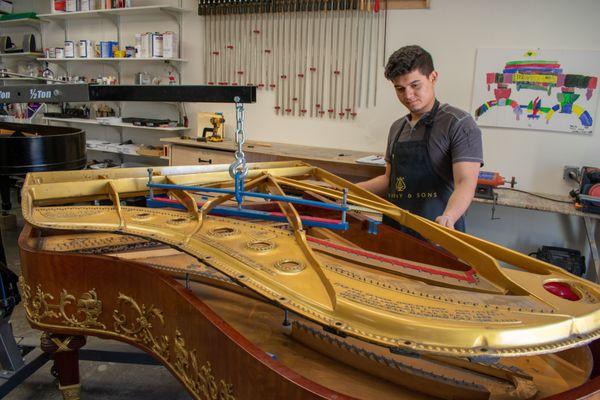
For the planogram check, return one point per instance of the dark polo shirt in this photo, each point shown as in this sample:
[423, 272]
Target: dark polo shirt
[454, 137]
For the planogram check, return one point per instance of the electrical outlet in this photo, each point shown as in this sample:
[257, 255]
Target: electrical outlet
[570, 172]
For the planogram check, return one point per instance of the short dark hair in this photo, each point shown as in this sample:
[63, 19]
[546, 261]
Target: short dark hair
[408, 59]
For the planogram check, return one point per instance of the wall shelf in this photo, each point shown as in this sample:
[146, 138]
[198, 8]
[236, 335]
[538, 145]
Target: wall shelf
[20, 55]
[116, 125]
[22, 79]
[112, 12]
[175, 12]
[120, 17]
[111, 59]
[33, 22]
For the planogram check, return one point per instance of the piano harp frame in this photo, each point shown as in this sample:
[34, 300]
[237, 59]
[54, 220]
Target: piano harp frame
[152, 316]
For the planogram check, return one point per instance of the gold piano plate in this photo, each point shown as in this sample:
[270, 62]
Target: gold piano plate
[483, 310]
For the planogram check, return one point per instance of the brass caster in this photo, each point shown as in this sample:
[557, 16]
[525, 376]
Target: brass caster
[70, 392]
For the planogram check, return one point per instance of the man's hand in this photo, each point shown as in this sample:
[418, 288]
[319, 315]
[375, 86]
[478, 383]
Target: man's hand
[446, 220]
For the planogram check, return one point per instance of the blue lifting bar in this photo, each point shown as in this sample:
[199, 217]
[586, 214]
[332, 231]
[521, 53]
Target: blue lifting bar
[247, 213]
[274, 197]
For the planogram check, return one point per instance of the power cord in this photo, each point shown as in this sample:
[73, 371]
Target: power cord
[535, 195]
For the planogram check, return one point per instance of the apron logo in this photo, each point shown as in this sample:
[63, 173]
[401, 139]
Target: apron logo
[400, 184]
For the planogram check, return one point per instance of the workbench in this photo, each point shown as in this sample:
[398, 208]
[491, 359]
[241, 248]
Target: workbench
[343, 163]
[555, 204]
[340, 162]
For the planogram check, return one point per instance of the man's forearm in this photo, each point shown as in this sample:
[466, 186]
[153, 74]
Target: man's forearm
[378, 185]
[459, 201]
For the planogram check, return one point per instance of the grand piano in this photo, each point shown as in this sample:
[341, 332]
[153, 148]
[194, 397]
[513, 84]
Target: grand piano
[290, 288]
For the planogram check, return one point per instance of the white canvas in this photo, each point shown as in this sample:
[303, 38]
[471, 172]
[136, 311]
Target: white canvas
[560, 95]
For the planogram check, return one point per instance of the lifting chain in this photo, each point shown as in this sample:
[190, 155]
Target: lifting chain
[238, 169]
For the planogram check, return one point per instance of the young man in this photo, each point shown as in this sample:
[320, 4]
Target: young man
[434, 153]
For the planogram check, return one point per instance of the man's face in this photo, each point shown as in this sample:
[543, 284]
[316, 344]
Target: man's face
[416, 91]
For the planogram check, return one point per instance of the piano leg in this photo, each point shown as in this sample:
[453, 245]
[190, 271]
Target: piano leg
[7, 220]
[5, 194]
[64, 350]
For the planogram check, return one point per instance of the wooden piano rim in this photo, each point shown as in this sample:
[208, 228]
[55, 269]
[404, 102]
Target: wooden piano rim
[592, 386]
[245, 344]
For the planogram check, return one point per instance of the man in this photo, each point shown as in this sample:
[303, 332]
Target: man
[434, 153]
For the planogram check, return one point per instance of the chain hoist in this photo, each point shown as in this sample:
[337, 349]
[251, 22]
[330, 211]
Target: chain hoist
[238, 169]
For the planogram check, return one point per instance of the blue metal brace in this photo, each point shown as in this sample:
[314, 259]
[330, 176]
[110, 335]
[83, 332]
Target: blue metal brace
[239, 188]
[373, 227]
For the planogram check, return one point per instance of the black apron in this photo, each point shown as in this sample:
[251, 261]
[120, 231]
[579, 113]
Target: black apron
[414, 184]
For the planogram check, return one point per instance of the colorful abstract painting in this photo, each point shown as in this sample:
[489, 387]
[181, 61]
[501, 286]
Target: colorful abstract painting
[554, 90]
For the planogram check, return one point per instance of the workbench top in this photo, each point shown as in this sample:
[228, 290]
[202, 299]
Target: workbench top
[282, 149]
[519, 199]
[506, 196]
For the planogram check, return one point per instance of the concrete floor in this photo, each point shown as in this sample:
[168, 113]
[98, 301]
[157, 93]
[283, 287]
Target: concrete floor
[99, 380]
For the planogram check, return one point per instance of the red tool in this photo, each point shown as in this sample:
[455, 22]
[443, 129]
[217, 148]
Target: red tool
[487, 181]
[493, 179]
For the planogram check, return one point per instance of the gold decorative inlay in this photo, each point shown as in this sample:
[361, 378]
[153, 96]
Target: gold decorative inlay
[61, 345]
[140, 329]
[199, 378]
[38, 306]
[287, 266]
[70, 392]
[132, 321]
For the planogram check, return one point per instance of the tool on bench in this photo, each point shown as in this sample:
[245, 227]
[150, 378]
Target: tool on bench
[587, 198]
[216, 127]
[487, 181]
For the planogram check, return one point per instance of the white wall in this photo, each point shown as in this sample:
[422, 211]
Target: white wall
[451, 31]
